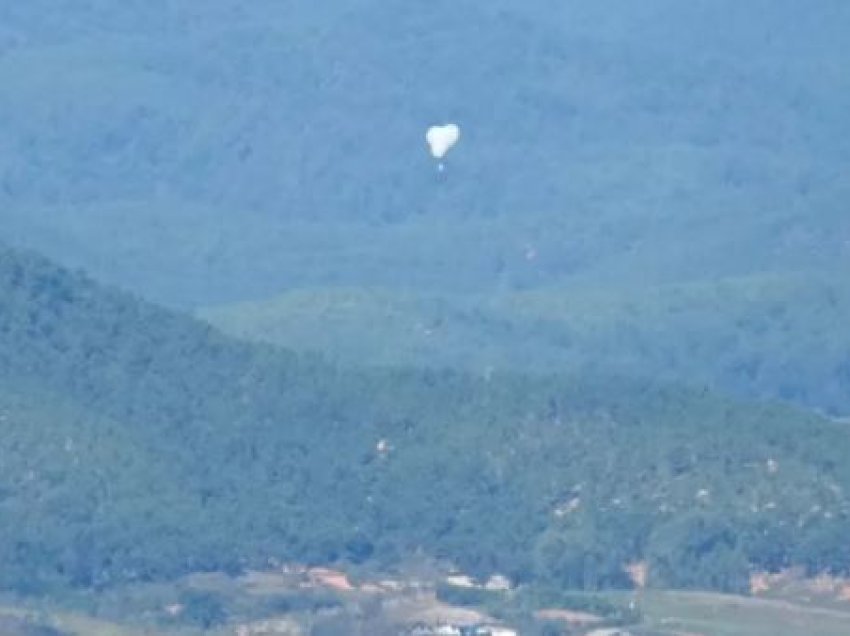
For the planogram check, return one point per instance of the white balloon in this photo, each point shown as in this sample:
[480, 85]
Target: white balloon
[441, 139]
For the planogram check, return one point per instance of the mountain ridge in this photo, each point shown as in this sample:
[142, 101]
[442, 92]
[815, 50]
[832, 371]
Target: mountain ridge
[263, 454]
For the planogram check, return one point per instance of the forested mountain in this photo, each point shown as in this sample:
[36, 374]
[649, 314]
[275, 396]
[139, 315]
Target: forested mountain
[138, 444]
[611, 329]
[682, 165]
[282, 145]
[760, 337]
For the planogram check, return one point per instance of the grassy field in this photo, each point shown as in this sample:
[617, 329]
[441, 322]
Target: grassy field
[16, 620]
[709, 614]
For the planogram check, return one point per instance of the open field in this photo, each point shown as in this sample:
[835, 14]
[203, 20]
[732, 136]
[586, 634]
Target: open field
[16, 620]
[711, 614]
[663, 613]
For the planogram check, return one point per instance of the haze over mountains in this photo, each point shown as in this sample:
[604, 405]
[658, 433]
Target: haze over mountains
[253, 146]
[205, 156]
[613, 329]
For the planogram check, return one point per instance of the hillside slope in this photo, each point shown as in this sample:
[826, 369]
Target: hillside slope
[231, 152]
[680, 169]
[141, 444]
[761, 337]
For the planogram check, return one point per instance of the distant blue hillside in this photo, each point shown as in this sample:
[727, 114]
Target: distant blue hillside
[227, 151]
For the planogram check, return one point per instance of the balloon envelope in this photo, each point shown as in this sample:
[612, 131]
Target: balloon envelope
[441, 139]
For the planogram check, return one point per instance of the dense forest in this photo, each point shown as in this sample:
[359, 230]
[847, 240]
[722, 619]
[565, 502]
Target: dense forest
[247, 320]
[638, 186]
[139, 444]
[767, 337]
